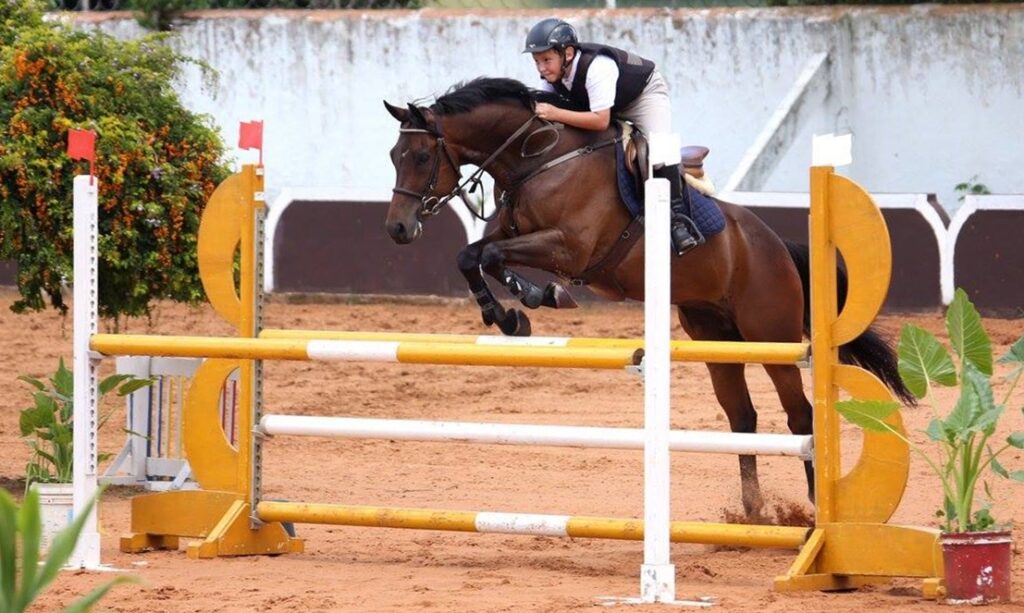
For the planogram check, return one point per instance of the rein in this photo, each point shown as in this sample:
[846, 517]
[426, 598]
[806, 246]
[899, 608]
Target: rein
[431, 205]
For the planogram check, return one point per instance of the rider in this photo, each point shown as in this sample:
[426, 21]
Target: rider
[604, 82]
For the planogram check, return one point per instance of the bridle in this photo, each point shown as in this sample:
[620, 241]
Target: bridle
[431, 204]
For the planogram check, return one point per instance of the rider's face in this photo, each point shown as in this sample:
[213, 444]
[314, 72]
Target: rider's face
[549, 65]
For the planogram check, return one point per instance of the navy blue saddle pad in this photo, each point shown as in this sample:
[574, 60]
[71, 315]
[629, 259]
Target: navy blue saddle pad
[704, 210]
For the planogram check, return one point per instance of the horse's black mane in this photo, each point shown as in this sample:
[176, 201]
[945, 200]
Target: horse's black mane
[468, 95]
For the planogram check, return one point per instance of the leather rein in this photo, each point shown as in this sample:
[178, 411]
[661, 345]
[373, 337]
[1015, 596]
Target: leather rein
[431, 204]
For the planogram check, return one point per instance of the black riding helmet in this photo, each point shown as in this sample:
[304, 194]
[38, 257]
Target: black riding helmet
[551, 33]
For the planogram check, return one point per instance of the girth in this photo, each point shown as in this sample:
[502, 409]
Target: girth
[611, 260]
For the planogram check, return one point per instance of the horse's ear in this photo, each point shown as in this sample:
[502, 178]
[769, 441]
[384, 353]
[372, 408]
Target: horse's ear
[417, 117]
[397, 112]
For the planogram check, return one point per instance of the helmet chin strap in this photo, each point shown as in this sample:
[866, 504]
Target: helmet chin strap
[566, 62]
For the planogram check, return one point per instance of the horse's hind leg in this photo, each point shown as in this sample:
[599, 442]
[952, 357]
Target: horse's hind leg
[775, 313]
[799, 413]
[730, 387]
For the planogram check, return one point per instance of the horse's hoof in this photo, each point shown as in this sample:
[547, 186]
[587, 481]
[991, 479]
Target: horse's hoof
[753, 508]
[516, 323]
[557, 297]
[533, 298]
[488, 317]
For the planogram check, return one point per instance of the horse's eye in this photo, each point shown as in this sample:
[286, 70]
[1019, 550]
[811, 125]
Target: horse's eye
[422, 157]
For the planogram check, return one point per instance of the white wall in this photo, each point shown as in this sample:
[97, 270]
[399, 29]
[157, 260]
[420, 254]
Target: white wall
[933, 95]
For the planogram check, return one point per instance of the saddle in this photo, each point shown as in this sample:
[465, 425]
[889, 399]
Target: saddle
[634, 143]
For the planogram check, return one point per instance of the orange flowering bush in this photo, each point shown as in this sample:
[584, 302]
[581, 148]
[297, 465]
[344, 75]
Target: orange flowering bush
[157, 162]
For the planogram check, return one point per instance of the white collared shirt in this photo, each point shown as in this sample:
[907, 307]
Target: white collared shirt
[601, 80]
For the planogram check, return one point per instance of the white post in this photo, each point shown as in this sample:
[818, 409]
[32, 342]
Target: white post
[657, 575]
[87, 552]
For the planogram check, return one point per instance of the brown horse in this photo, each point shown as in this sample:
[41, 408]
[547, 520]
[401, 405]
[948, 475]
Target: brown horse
[744, 284]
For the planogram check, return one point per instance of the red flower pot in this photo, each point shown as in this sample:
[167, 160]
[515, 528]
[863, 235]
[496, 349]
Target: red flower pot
[977, 566]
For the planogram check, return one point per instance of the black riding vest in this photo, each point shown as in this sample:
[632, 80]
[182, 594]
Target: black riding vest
[634, 71]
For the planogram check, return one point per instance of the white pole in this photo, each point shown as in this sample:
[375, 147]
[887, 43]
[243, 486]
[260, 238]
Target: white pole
[87, 551]
[657, 575]
[582, 437]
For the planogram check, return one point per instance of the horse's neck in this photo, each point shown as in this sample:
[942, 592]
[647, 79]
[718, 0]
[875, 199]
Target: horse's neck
[481, 132]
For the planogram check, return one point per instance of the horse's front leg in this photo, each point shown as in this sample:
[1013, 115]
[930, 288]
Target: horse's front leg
[511, 322]
[544, 250]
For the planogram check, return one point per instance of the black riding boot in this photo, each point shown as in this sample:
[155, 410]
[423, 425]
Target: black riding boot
[685, 235]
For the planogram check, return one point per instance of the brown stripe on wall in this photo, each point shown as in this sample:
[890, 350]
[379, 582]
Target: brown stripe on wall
[341, 247]
[915, 261]
[989, 262]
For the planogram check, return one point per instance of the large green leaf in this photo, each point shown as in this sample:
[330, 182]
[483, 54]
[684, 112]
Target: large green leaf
[1016, 439]
[868, 414]
[966, 333]
[45, 401]
[111, 382]
[31, 530]
[1016, 353]
[922, 360]
[8, 548]
[63, 380]
[31, 419]
[997, 468]
[987, 413]
[134, 385]
[958, 424]
[36, 383]
[937, 431]
[1015, 356]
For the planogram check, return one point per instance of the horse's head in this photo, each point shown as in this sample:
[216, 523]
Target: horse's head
[427, 172]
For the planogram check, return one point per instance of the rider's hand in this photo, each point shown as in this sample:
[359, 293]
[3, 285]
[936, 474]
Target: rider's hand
[546, 111]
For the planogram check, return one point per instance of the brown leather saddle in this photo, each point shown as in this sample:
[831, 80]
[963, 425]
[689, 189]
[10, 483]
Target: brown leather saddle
[636, 153]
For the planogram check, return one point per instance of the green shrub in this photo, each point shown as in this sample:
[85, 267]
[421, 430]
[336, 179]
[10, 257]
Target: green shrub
[157, 163]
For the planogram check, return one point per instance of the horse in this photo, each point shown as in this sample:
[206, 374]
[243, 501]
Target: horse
[744, 284]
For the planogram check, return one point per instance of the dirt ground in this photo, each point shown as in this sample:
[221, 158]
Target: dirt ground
[359, 569]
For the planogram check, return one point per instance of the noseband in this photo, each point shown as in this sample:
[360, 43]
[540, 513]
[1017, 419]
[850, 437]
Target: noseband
[431, 204]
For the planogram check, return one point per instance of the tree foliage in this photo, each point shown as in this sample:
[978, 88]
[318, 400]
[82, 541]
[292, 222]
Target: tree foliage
[157, 162]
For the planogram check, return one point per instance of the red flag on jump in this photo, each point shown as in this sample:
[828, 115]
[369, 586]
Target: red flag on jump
[82, 146]
[250, 136]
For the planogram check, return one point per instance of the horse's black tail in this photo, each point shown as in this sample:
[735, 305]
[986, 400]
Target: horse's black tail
[870, 350]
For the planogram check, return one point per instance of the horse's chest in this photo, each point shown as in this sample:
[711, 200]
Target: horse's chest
[517, 220]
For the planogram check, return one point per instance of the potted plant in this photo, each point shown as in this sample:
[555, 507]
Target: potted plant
[976, 549]
[47, 426]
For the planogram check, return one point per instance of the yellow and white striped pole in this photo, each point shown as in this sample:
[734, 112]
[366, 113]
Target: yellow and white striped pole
[366, 351]
[733, 535]
[721, 352]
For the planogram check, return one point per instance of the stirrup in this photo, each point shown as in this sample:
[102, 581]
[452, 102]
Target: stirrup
[691, 237]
